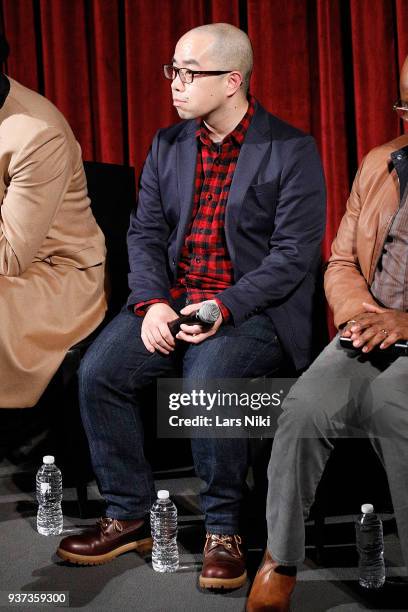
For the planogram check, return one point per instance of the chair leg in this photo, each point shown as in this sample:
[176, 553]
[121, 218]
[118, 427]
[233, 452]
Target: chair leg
[319, 522]
[73, 434]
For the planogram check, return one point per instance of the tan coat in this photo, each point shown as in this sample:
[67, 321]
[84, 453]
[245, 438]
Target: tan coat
[373, 202]
[51, 249]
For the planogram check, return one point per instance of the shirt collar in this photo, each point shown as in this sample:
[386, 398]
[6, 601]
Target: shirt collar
[399, 155]
[238, 133]
[400, 162]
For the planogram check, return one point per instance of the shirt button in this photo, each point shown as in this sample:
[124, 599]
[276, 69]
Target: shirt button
[399, 156]
[197, 259]
[209, 196]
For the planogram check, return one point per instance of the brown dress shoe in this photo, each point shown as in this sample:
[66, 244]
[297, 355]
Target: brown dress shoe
[105, 541]
[224, 563]
[272, 587]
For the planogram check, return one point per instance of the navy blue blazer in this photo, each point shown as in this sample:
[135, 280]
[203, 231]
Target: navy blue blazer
[274, 223]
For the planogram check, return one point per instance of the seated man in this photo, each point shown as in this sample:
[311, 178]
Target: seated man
[361, 391]
[231, 208]
[51, 249]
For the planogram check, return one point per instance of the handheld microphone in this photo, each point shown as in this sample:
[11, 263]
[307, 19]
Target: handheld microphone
[399, 348]
[205, 316]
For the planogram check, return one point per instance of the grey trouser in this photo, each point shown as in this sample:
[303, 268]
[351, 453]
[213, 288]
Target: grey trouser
[342, 394]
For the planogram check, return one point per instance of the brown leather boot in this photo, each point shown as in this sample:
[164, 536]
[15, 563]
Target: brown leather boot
[224, 562]
[272, 588]
[105, 541]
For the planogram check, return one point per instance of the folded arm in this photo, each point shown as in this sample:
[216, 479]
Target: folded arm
[39, 174]
[345, 286]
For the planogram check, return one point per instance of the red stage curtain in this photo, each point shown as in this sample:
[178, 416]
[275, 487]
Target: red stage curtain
[299, 76]
[375, 73]
[330, 67]
[107, 87]
[20, 27]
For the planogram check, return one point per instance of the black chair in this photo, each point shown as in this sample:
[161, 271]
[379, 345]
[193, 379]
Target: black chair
[112, 192]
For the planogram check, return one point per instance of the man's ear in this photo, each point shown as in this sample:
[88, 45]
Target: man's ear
[235, 80]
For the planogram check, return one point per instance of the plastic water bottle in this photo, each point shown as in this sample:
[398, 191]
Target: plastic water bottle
[163, 523]
[49, 496]
[370, 546]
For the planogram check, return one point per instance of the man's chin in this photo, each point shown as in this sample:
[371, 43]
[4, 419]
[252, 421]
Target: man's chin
[185, 114]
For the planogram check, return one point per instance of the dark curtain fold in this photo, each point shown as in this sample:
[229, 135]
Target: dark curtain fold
[107, 86]
[20, 25]
[375, 72]
[330, 67]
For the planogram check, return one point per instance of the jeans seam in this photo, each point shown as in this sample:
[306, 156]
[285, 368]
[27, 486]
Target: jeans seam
[134, 373]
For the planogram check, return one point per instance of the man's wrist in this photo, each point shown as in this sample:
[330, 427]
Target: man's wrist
[141, 308]
[225, 312]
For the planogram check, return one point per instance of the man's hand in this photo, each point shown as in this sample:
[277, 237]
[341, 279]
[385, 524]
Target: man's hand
[378, 326]
[194, 333]
[156, 335]
[346, 331]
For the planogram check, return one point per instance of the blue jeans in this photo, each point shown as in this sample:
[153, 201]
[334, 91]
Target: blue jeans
[112, 375]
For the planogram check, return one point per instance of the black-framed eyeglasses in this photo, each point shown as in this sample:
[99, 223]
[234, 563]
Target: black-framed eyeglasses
[186, 75]
[401, 108]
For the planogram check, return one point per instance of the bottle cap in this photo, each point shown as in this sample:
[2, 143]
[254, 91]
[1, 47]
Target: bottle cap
[163, 494]
[48, 459]
[367, 508]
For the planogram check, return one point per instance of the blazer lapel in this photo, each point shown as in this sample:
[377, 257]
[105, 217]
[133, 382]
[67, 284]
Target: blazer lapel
[186, 165]
[253, 150]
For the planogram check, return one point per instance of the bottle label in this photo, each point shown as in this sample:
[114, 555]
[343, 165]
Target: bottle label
[45, 487]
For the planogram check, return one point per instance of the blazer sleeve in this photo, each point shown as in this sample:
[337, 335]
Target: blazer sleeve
[295, 241]
[345, 286]
[39, 174]
[148, 238]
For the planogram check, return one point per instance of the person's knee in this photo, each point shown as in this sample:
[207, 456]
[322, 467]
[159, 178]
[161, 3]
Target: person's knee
[302, 416]
[202, 370]
[385, 409]
[93, 372]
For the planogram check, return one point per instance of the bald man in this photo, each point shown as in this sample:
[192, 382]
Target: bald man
[361, 391]
[231, 211]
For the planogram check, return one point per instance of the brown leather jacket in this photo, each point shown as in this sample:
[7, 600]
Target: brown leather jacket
[371, 207]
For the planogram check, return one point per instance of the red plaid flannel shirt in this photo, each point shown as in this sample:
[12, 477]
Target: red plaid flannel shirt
[205, 268]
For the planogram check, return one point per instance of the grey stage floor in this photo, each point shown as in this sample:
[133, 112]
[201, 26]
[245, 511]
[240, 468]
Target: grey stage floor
[28, 563]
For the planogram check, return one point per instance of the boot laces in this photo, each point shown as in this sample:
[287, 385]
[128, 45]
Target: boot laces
[224, 540]
[105, 521]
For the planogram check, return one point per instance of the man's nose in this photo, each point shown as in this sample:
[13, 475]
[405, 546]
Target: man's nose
[177, 84]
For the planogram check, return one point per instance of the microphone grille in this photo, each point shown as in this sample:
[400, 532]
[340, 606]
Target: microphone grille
[208, 312]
